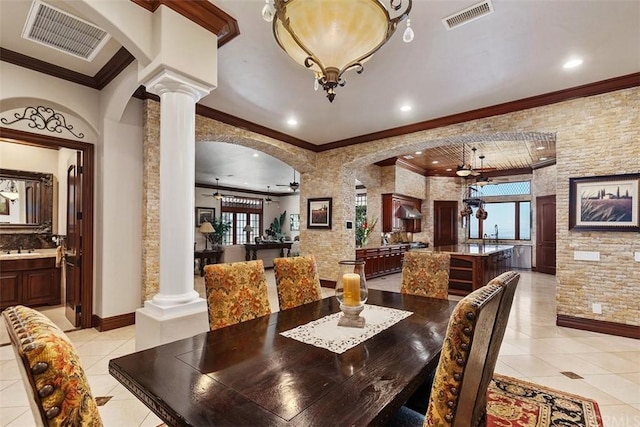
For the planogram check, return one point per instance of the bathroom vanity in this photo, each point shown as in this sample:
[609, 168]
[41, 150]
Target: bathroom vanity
[29, 279]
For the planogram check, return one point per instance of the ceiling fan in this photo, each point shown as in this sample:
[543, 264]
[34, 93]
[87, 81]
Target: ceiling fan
[292, 185]
[217, 194]
[268, 200]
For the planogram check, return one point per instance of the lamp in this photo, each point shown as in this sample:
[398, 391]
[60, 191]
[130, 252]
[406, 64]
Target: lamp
[217, 194]
[247, 229]
[331, 37]
[10, 190]
[206, 228]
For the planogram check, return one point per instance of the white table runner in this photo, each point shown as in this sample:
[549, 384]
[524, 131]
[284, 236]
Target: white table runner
[326, 333]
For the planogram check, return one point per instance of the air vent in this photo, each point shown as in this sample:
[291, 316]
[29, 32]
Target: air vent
[59, 30]
[467, 15]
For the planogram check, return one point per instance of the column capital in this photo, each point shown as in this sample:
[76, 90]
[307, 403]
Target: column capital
[166, 81]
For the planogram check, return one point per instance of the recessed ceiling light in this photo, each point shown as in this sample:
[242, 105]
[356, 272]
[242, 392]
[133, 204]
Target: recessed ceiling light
[255, 154]
[418, 152]
[435, 162]
[573, 63]
[543, 158]
[292, 122]
[540, 148]
[405, 108]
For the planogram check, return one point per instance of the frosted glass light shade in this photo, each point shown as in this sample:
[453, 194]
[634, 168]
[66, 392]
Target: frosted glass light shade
[336, 32]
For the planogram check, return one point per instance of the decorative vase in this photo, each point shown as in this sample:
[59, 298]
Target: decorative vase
[351, 292]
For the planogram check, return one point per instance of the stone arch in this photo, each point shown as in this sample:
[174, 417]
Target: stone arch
[300, 159]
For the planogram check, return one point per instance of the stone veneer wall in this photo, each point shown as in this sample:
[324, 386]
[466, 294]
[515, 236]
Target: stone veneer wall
[151, 200]
[595, 136]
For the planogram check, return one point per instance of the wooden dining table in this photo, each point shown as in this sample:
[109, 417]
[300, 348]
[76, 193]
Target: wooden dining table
[248, 374]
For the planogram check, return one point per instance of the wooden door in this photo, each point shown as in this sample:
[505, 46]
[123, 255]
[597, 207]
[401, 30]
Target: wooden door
[546, 234]
[445, 223]
[73, 249]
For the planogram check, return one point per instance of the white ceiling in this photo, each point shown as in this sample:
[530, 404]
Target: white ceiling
[514, 53]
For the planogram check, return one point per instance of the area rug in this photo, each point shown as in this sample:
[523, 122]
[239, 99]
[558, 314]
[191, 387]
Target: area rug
[517, 403]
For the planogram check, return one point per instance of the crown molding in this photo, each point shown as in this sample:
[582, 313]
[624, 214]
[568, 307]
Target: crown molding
[203, 13]
[103, 77]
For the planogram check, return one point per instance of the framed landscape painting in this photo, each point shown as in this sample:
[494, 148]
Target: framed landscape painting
[604, 203]
[204, 214]
[319, 213]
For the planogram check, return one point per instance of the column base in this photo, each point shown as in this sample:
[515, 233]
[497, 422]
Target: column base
[156, 325]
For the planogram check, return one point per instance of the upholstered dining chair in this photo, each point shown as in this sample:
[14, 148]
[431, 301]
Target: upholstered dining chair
[458, 396]
[236, 292]
[56, 385]
[297, 281]
[426, 274]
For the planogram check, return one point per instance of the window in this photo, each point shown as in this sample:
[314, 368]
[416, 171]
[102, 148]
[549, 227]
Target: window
[508, 208]
[240, 211]
[361, 199]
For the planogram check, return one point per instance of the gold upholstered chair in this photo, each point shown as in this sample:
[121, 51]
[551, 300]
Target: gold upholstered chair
[56, 385]
[236, 292]
[297, 281]
[425, 274]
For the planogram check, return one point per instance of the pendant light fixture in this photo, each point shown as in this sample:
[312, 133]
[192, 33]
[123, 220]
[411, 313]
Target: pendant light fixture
[464, 169]
[330, 37]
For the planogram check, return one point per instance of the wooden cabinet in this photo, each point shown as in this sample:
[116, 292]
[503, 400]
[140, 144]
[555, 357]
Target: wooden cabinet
[383, 260]
[391, 205]
[29, 282]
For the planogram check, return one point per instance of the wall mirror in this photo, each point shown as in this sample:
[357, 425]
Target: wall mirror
[26, 201]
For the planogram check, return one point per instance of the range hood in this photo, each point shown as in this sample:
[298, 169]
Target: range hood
[408, 212]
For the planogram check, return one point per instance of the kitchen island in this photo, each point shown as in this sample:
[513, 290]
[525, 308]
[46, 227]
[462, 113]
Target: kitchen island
[474, 265]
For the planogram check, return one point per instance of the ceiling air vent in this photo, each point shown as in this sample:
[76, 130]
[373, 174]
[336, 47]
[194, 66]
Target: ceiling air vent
[55, 28]
[467, 15]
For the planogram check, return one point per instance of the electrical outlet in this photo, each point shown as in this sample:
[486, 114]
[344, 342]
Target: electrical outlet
[596, 307]
[637, 256]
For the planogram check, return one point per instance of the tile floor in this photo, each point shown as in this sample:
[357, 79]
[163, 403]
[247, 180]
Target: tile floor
[533, 349]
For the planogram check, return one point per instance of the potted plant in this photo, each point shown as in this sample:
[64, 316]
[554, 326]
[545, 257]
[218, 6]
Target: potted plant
[275, 229]
[364, 227]
[220, 228]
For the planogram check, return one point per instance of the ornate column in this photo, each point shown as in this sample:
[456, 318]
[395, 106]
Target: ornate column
[176, 311]
[178, 97]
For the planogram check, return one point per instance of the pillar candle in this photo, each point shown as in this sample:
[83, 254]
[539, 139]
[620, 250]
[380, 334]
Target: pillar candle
[351, 286]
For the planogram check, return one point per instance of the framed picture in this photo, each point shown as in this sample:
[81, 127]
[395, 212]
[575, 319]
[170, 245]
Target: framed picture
[4, 206]
[295, 222]
[204, 215]
[604, 203]
[319, 213]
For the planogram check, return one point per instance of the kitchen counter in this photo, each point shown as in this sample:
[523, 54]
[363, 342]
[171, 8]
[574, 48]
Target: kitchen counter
[382, 260]
[473, 249]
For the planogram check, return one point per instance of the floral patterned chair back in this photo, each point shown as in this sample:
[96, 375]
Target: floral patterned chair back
[426, 274]
[236, 292]
[58, 391]
[297, 281]
[459, 393]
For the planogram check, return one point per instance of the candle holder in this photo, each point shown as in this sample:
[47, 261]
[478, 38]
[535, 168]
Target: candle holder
[351, 292]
